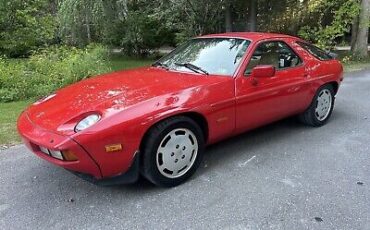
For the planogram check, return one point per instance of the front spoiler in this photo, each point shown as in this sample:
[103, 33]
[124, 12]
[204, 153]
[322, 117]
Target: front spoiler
[34, 136]
[129, 177]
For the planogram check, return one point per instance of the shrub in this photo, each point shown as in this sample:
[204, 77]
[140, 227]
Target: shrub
[48, 70]
[24, 26]
[326, 35]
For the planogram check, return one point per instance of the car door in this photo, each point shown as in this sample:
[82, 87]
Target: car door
[264, 100]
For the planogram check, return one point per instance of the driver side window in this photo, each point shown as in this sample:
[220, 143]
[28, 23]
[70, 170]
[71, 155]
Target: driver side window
[276, 53]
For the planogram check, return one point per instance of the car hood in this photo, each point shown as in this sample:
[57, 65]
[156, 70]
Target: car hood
[107, 94]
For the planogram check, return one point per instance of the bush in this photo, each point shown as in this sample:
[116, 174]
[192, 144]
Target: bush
[326, 35]
[143, 33]
[48, 70]
[24, 26]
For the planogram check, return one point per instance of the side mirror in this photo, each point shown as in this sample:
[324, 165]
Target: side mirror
[263, 71]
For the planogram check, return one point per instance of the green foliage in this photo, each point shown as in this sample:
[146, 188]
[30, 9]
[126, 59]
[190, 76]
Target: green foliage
[134, 25]
[342, 14]
[139, 26]
[49, 70]
[81, 20]
[193, 19]
[24, 26]
[118, 62]
[143, 30]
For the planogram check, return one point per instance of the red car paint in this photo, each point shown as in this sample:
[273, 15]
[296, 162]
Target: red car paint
[132, 101]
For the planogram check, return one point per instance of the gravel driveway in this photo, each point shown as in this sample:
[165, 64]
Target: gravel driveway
[283, 176]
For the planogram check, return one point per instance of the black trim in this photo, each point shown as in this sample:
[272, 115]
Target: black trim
[129, 177]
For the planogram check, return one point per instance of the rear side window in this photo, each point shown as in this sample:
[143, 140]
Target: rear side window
[315, 51]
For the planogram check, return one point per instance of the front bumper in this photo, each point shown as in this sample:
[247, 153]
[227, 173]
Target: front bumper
[131, 176]
[34, 137]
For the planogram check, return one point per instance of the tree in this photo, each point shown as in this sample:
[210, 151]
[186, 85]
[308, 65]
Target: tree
[24, 26]
[189, 18]
[354, 31]
[360, 45]
[228, 17]
[144, 27]
[329, 21]
[78, 18]
[252, 19]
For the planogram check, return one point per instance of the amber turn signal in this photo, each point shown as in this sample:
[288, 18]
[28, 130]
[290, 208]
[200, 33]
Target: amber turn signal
[69, 156]
[113, 148]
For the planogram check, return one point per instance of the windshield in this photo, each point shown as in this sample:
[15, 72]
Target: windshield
[219, 56]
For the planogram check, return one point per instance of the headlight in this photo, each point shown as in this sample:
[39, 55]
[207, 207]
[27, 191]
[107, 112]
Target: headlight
[44, 99]
[87, 122]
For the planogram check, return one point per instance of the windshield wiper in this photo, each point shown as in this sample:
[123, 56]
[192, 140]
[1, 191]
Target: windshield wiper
[160, 64]
[192, 67]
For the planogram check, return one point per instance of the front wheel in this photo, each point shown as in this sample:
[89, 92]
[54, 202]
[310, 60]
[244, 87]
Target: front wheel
[173, 151]
[321, 107]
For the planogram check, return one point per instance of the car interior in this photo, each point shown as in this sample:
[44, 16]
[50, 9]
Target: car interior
[277, 54]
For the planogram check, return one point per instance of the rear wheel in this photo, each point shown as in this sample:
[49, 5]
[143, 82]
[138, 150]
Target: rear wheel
[173, 151]
[321, 107]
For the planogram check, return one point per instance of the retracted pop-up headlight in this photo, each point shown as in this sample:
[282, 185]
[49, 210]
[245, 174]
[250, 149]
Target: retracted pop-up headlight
[87, 122]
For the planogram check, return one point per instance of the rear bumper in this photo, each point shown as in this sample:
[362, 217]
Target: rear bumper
[34, 137]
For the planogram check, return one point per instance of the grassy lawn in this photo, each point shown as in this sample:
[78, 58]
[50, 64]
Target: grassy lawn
[8, 117]
[10, 111]
[120, 63]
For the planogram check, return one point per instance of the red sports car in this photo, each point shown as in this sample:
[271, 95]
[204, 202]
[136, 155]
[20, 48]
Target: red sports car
[156, 120]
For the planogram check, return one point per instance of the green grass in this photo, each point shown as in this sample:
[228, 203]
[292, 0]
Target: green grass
[120, 63]
[8, 117]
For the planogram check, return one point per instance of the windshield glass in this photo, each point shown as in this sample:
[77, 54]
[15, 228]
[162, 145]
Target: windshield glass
[219, 56]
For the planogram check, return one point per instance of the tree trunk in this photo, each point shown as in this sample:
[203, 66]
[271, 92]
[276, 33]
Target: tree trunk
[53, 7]
[73, 38]
[88, 28]
[354, 32]
[228, 18]
[252, 20]
[360, 49]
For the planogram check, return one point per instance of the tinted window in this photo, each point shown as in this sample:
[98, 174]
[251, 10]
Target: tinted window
[315, 51]
[219, 56]
[276, 53]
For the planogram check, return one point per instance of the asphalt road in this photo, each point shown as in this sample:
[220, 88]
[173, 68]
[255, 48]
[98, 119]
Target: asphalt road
[283, 176]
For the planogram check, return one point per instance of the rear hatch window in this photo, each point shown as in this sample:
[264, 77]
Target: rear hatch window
[315, 51]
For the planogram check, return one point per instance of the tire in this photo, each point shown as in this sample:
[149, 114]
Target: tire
[321, 108]
[172, 151]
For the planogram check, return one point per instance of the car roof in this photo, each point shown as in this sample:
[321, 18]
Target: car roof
[253, 36]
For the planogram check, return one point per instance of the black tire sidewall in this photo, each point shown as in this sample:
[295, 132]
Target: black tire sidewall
[154, 139]
[313, 107]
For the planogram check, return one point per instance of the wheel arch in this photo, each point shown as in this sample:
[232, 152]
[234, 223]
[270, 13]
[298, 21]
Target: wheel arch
[335, 86]
[195, 116]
